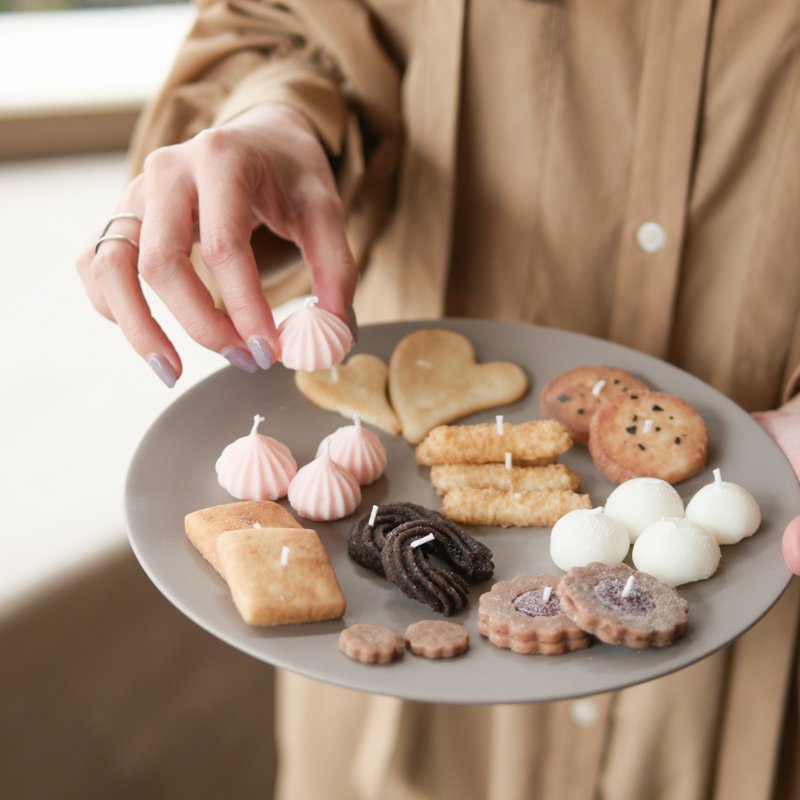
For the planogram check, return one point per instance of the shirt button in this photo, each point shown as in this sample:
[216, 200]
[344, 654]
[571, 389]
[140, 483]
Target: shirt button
[651, 237]
[584, 713]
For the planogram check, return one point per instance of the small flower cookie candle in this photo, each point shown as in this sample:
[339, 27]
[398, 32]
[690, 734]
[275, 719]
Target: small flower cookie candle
[256, 467]
[313, 338]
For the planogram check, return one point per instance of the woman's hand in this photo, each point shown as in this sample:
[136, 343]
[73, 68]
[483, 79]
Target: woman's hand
[784, 427]
[265, 166]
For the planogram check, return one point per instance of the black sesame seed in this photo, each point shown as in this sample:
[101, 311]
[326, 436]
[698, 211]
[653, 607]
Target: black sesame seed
[635, 417]
[616, 380]
[562, 398]
[677, 440]
[658, 428]
[631, 429]
[641, 446]
[657, 407]
[580, 411]
[634, 397]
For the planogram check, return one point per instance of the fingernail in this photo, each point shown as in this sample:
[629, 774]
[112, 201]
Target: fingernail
[350, 314]
[239, 358]
[261, 351]
[162, 368]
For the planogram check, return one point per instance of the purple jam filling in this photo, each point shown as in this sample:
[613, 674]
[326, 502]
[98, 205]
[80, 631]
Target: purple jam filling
[532, 603]
[637, 603]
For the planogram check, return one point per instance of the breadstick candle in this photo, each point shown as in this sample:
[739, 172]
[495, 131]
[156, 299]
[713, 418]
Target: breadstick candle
[500, 425]
[628, 588]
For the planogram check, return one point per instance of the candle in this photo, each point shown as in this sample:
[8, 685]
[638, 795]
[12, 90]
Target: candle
[546, 592]
[598, 387]
[373, 514]
[508, 460]
[626, 591]
[500, 424]
[424, 540]
[285, 555]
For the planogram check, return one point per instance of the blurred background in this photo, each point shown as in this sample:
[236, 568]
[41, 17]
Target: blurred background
[106, 691]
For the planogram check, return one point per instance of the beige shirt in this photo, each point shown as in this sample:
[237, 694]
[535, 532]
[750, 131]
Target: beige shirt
[629, 170]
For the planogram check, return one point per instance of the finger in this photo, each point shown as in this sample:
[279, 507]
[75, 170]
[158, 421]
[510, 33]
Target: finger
[791, 545]
[322, 239]
[114, 271]
[165, 245]
[225, 212]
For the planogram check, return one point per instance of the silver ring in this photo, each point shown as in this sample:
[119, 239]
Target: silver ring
[114, 237]
[117, 237]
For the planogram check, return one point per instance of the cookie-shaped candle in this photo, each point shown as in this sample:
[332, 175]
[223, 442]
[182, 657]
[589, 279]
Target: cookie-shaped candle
[256, 467]
[313, 338]
[619, 605]
[648, 434]
[586, 535]
[639, 502]
[358, 450]
[323, 490]
[676, 551]
[572, 397]
[726, 510]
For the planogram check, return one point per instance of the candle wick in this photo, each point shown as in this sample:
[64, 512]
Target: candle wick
[334, 374]
[284, 555]
[257, 420]
[500, 424]
[311, 301]
[628, 587]
[373, 514]
[717, 476]
[508, 460]
[598, 387]
[357, 420]
[548, 590]
[424, 540]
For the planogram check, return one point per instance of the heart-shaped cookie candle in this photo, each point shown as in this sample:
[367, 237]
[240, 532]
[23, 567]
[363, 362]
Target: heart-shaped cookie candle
[357, 387]
[434, 379]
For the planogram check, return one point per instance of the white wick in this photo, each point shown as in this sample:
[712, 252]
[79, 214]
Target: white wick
[628, 587]
[598, 387]
[518, 495]
[424, 540]
[598, 510]
[372, 515]
[257, 420]
[508, 460]
[284, 555]
[421, 362]
[334, 374]
[648, 426]
[500, 424]
[357, 420]
[546, 592]
[717, 476]
[256, 525]
[311, 301]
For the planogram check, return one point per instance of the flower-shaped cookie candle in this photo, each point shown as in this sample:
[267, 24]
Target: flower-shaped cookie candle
[323, 490]
[358, 450]
[313, 338]
[256, 467]
[726, 510]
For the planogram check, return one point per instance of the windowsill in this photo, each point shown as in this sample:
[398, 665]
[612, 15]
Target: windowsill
[82, 76]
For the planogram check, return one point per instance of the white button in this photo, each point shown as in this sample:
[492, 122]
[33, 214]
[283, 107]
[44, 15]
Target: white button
[651, 237]
[584, 713]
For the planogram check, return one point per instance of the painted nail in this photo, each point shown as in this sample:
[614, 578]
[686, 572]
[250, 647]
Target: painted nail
[162, 368]
[350, 316]
[240, 358]
[261, 351]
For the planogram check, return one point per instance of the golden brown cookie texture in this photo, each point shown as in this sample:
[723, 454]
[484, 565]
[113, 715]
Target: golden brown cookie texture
[573, 396]
[434, 378]
[371, 644]
[620, 605]
[434, 638]
[525, 615]
[446, 477]
[648, 435]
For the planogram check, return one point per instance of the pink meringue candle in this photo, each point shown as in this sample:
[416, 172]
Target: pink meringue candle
[313, 338]
[323, 490]
[256, 467]
[358, 450]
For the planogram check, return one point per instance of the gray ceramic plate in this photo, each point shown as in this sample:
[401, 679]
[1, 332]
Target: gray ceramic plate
[172, 473]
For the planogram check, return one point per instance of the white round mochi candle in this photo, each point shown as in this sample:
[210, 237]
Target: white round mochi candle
[313, 338]
[676, 551]
[726, 510]
[256, 467]
[358, 450]
[639, 502]
[586, 535]
[323, 490]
